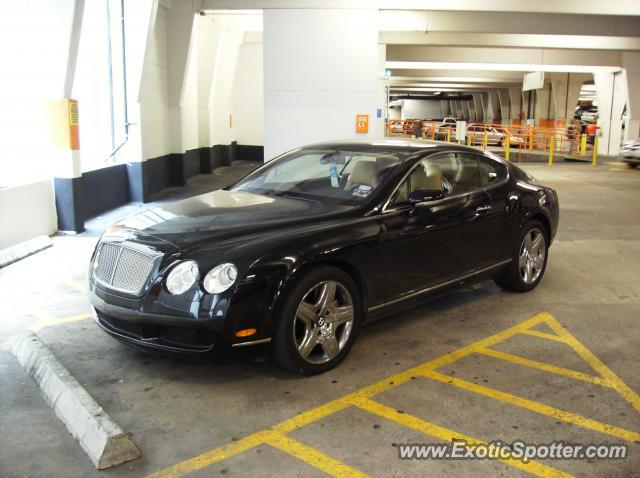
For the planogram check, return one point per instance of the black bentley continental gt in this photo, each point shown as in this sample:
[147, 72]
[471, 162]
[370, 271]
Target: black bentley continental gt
[304, 249]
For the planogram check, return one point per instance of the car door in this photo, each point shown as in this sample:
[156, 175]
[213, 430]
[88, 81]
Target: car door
[426, 246]
[501, 228]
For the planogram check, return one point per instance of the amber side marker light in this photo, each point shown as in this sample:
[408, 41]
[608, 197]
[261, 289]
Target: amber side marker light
[245, 332]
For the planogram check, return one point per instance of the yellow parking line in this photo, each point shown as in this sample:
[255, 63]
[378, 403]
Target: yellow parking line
[543, 335]
[45, 319]
[361, 398]
[77, 285]
[313, 457]
[213, 456]
[446, 434]
[596, 364]
[534, 406]
[545, 366]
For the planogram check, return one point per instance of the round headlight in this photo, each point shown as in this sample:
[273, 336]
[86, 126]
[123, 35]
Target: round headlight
[220, 278]
[182, 277]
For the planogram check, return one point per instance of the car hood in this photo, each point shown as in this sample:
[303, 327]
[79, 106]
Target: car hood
[221, 215]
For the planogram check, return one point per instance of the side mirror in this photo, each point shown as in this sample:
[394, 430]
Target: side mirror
[421, 195]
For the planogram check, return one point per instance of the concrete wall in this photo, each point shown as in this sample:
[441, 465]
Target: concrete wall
[154, 99]
[421, 109]
[35, 215]
[314, 87]
[247, 97]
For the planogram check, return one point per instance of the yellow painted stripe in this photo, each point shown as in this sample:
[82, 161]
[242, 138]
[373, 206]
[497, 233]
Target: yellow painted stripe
[205, 459]
[596, 364]
[534, 406]
[77, 285]
[213, 456]
[543, 335]
[446, 434]
[47, 320]
[310, 416]
[545, 366]
[313, 457]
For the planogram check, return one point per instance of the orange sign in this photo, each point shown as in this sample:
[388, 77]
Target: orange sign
[362, 124]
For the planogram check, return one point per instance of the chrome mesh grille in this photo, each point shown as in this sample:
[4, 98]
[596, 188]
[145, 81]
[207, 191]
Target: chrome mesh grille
[123, 268]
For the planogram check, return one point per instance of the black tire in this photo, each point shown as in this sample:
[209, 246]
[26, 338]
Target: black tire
[285, 352]
[632, 165]
[511, 278]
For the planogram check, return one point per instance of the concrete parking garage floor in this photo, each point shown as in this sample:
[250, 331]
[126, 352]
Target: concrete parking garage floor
[530, 379]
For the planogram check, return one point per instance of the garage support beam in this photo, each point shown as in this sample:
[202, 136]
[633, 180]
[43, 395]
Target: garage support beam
[543, 105]
[611, 91]
[565, 88]
[631, 64]
[515, 99]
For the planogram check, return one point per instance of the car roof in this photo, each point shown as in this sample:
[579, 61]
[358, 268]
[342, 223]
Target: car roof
[386, 144]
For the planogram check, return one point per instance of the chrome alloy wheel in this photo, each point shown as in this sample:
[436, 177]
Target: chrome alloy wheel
[323, 322]
[532, 255]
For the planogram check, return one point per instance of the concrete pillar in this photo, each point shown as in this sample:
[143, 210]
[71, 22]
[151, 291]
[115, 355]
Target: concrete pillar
[208, 38]
[472, 110]
[506, 115]
[378, 124]
[444, 108]
[66, 153]
[493, 106]
[479, 103]
[542, 109]
[180, 27]
[565, 88]
[527, 98]
[611, 91]
[313, 89]
[515, 102]
[631, 64]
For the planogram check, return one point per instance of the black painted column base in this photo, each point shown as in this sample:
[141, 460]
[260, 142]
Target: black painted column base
[68, 204]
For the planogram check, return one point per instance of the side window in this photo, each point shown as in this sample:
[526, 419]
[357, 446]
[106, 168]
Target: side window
[401, 196]
[491, 171]
[460, 172]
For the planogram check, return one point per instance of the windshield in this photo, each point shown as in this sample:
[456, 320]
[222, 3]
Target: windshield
[323, 175]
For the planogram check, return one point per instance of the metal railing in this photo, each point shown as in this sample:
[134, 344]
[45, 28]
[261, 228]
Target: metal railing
[513, 139]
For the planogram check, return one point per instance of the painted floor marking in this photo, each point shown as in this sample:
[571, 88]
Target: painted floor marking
[362, 399]
[46, 319]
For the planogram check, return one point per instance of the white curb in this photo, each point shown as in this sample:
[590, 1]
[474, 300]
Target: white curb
[99, 436]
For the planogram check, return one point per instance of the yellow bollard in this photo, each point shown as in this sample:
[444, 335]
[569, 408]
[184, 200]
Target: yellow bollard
[583, 144]
[448, 136]
[552, 147]
[468, 140]
[594, 161]
[485, 141]
[507, 148]
[413, 136]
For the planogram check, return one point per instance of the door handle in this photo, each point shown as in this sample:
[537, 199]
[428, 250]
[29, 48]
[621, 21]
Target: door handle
[483, 209]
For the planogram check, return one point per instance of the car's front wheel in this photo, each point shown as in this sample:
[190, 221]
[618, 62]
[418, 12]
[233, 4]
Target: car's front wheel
[529, 260]
[317, 322]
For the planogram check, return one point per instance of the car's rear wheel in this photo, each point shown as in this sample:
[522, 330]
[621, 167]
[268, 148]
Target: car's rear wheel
[632, 165]
[317, 322]
[529, 260]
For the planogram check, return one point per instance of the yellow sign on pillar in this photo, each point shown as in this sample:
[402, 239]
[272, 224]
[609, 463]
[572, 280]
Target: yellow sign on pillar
[362, 124]
[64, 123]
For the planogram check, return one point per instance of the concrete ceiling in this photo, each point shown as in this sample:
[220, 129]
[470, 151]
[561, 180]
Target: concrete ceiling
[468, 45]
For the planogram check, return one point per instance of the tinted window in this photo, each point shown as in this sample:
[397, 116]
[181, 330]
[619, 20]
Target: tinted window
[325, 175]
[459, 171]
[491, 171]
[425, 175]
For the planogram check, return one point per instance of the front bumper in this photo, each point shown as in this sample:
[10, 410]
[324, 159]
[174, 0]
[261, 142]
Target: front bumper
[199, 325]
[158, 337]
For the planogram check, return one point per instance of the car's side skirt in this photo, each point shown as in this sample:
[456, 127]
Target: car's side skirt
[441, 285]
